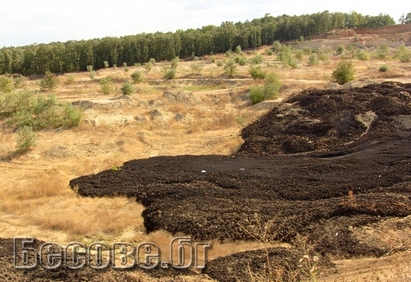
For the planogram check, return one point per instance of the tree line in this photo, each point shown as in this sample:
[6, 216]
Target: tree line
[73, 56]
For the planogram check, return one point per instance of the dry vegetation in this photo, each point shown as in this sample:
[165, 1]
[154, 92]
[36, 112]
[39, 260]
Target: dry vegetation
[35, 197]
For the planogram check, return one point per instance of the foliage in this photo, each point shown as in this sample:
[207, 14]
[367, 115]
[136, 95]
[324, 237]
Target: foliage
[197, 67]
[230, 68]
[299, 54]
[6, 84]
[405, 19]
[340, 49]
[269, 90]
[26, 139]
[257, 72]
[313, 60]
[127, 88]
[238, 49]
[137, 76]
[107, 85]
[404, 54]
[257, 59]
[344, 72]
[170, 74]
[73, 56]
[307, 50]
[363, 55]
[174, 62]
[49, 81]
[125, 67]
[242, 61]
[323, 56]
[25, 108]
[382, 51]
[383, 68]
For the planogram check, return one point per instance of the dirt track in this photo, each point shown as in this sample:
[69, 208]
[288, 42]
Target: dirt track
[293, 175]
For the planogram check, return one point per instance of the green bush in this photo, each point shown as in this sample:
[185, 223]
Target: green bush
[344, 72]
[299, 54]
[269, 52]
[127, 88]
[257, 72]
[26, 139]
[107, 85]
[340, 49]
[49, 81]
[323, 56]
[125, 67]
[307, 50]
[381, 52]
[25, 108]
[313, 60]
[148, 66]
[276, 46]
[174, 62]
[363, 55]
[383, 68]
[105, 63]
[269, 90]
[6, 84]
[170, 74]
[403, 54]
[257, 59]
[197, 67]
[152, 61]
[137, 76]
[242, 61]
[230, 68]
[238, 49]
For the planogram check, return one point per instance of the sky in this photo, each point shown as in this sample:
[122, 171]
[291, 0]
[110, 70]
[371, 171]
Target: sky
[25, 22]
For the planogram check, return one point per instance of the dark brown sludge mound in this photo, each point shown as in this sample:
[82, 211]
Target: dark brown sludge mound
[293, 174]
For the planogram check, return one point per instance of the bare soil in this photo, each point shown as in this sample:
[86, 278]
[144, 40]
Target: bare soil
[320, 164]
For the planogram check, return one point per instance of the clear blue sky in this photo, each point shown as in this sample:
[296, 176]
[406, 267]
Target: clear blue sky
[24, 22]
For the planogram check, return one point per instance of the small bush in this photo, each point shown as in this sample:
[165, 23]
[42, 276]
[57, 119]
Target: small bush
[299, 54]
[152, 61]
[384, 68]
[137, 76]
[107, 85]
[26, 139]
[238, 49]
[127, 88]
[242, 61]
[213, 59]
[269, 52]
[49, 81]
[125, 67]
[148, 66]
[340, 49]
[6, 84]
[70, 79]
[257, 72]
[403, 54]
[363, 55]
[174, 62]
[230, 68]
[219, 64]
[197, 67]
[313, 60]
[170, 74]
[276, 46]
[105, 63]
[307, 50]
[257, 59]
[89, 68]
[269, 90]
[344, 72]
[323, 56]
[381, 52]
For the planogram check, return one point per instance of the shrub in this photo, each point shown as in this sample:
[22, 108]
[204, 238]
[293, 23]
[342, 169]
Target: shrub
[174, 62]
[382, 51]
[149, 66]
[299, 54]
[404, 54]
[49, 81]
[384, 68]
[137, 76]
[257, 59]
[313, 60]
[323, 56]
[230, 68]
[107, 85]
[269, 90]
[70, 79]
[105, 63]
[127, 88]
[238, 49]
[26, 139]
[89, 68]
[213, 59]
[344, 72]
[340, 49]
[363, 55]
[25, 108]
[307, 50]
[126, 69]
[170, 74]
[241, 60]
[257, 72]
[276, 46]
[269, 52]
[6, 84]
[152, 61]
[219, 64]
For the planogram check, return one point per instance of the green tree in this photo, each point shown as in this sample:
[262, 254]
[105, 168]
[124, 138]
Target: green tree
[137, 76]
[230, 68]
[26, 139]
[127, 88]
[344, 72]
[107, 85]
[405, 18]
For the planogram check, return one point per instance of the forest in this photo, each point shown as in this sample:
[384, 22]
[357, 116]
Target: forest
[74, 56]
